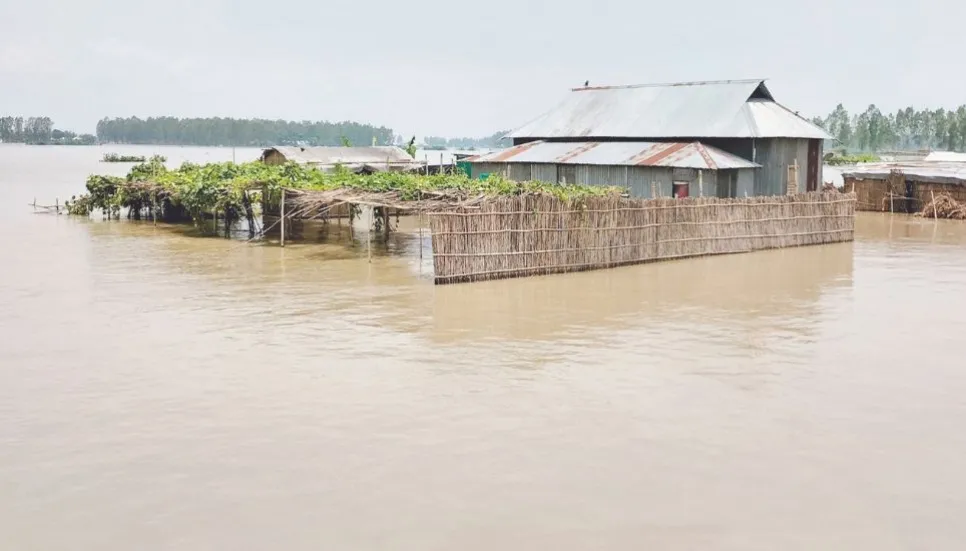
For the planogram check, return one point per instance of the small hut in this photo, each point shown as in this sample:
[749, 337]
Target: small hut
[904, 187]
[364, 160]
[644, 169]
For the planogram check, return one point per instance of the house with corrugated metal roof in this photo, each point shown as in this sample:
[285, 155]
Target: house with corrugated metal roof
[645, 169]
[356, 159]
[739, 118]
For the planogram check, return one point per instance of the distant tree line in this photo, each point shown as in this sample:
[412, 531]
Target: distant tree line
[905, 129]
[489, 142]
[241, 132]
[39, 130]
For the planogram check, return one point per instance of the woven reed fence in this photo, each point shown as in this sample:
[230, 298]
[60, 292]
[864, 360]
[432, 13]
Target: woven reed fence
[540, 234]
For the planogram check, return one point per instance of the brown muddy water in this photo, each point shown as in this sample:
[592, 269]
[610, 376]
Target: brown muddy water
[164, 391]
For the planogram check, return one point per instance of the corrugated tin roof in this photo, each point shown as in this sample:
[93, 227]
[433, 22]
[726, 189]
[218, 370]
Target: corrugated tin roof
[922, 171]
[323, 155]
[675, 154]
[722, 109]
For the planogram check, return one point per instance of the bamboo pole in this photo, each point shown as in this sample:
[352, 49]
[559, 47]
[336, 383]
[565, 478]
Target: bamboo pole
[372, 220]
[419, 211]
[282, 218]
[935, 211]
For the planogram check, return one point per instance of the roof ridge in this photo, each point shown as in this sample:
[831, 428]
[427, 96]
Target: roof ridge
[669, 84]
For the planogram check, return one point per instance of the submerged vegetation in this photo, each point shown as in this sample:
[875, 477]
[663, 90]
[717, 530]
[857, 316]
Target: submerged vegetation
[117, 158]
[229, 190]
[837, 158]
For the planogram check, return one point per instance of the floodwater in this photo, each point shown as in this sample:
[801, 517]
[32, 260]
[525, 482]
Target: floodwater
[164, 391]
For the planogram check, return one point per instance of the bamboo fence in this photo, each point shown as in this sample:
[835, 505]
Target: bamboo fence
[540, 234]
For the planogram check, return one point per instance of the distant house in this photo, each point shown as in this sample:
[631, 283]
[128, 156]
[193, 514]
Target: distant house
[740, 117]
[355, 159]
[905, 186]
[644, 169]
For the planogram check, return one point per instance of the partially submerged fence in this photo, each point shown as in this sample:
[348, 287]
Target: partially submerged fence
[540, 234]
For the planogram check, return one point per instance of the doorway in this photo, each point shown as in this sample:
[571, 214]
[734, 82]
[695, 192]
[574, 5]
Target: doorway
[680, 189]
[811, 175]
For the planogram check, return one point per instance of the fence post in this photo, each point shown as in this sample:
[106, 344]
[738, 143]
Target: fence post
[419, 203]
[282, 217]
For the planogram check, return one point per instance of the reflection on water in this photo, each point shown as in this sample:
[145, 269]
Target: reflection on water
[161, 390]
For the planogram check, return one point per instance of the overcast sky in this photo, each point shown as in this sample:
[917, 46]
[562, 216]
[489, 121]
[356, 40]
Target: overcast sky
[459, 68]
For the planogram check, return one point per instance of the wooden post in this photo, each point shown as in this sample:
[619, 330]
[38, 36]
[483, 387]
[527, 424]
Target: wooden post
[791, 186]
[154, 210]
[282, 217]
[385, 221]
[35, 203]
[57, 205]
[935, 211]
[891, 201]
[420, 213]
[372, 220]
[700, 183]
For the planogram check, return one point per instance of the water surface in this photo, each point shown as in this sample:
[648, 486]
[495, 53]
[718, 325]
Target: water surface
[164, 391]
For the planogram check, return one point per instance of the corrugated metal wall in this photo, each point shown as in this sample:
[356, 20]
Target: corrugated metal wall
[520, 172]
[595, 175]
[775, 155]
[641, 180]
[644, 179]
[704, 186]
[544, 172]
[727, 183]
[746, 182]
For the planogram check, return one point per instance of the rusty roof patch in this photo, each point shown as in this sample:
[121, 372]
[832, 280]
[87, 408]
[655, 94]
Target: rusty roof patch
[705, 155]
[652, 158]
[576, 152]
[511, 152]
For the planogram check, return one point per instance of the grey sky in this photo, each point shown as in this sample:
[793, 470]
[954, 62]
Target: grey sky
[458, 68]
